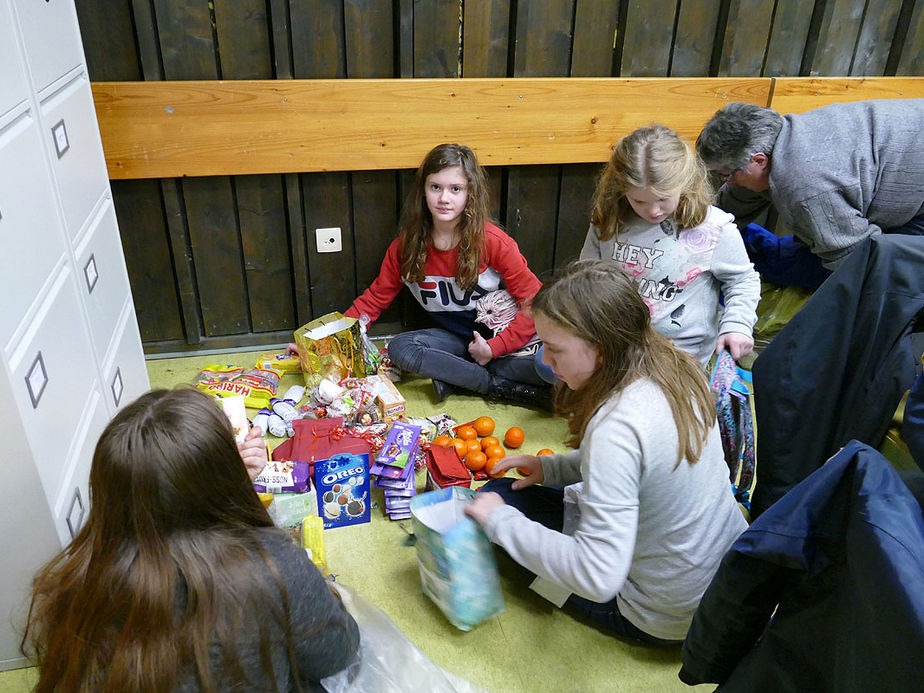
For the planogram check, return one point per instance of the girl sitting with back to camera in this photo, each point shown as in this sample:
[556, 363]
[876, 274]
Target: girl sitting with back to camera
[652, 215]
[655, 512]
[449, 255]
[179, 581]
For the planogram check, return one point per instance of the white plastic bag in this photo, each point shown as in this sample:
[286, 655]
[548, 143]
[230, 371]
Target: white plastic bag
[387, 660]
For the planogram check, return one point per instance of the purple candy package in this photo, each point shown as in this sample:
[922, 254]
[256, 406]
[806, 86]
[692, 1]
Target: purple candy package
[400, 446]
[283, 477]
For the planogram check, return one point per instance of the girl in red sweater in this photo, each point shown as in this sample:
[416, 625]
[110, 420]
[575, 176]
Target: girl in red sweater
[449, 255]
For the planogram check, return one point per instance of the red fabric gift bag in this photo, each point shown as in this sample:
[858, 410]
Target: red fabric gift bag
[320, 439]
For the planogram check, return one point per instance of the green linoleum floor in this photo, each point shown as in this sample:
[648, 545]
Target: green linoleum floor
[531, 647]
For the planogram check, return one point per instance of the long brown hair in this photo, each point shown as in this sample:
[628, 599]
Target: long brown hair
[167, 564]
[652, 158]
[598, 302]
[416, 224]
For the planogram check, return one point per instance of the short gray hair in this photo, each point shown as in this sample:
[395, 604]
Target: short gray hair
[736, 133]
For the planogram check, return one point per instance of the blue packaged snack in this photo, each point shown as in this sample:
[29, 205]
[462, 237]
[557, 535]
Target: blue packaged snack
[342, 486]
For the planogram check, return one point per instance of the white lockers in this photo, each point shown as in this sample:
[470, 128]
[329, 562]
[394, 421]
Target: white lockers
[69, 340]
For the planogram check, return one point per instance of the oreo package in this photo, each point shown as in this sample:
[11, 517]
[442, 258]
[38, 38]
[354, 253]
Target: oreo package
[342, 486]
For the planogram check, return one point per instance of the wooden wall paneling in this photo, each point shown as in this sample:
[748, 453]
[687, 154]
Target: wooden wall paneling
[184, 28]
[532, 212]
[575, 203]
[280, 22]
[437, 25]
[116, 58]
[647, 38]
[594, 36]
[217, 255]
[280, 38]
[543, 38]
[485, 38]
[747, 33]
[318, 49]
[265, 246]
[543, 49]
[181, 252]
[872, 52]
[405, 38]
[145, 25]
[788, 37]
[375, 225]
[298, 248]
[327, 204]
[146, 245]
[911, 60]
[694, 39]
[325, 281]
[243, 33]
[837, 37]
[369, 30]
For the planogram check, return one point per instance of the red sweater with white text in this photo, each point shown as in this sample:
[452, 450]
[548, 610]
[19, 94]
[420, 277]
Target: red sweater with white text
[452, 308]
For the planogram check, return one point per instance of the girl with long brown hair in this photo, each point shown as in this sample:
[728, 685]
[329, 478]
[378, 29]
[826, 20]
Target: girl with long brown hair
[655, 511]
[449, 255]
[179, 581]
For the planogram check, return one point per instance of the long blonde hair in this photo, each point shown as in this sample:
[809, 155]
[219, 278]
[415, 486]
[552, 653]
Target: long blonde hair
[598, 302]
[416, 224]
[174, 516]
[652, 158]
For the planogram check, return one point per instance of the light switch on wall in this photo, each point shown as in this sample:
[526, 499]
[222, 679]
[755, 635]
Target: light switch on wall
[329, 240]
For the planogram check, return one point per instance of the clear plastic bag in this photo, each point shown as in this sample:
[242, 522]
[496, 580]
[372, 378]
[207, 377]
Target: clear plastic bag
[387, 660]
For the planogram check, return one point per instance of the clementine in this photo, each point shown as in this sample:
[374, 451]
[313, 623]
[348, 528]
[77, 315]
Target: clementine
[489, 468]
[475, 460]
[514, 436]
[460, 446]
[442, 441]
[546, 451]
[488, 442]
[467, 433]
[494, 451]
[472, 446]
[484, 425]
[524, 471]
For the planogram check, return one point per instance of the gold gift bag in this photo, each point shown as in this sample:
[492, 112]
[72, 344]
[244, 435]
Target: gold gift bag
[330, 347]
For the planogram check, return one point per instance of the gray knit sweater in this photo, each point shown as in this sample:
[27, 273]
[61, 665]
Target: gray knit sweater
[844, 172]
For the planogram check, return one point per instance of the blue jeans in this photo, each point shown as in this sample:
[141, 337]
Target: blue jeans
[545, 505]
[442, 355]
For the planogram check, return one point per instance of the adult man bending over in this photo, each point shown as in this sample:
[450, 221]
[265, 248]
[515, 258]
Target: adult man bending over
[836, 175]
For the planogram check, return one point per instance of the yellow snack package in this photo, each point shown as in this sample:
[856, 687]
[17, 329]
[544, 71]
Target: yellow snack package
[313, 541]
[279, 361]
[257, 385]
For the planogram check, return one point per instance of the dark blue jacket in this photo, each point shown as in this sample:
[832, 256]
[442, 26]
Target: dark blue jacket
[842, 555]
[839, 368]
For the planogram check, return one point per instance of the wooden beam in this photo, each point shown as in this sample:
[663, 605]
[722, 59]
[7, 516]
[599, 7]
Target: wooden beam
[165, 129]
[798, 94]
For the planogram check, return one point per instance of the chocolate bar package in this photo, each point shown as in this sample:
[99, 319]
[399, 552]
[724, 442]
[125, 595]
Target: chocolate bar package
[342, 487]
[400, 446]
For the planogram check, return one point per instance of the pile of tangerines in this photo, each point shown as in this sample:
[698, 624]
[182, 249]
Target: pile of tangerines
[479, 449]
